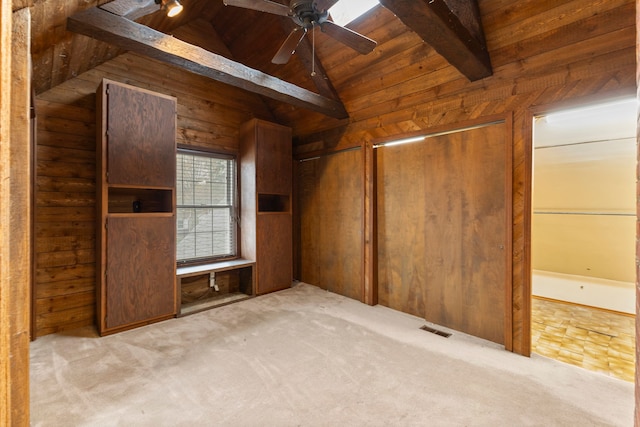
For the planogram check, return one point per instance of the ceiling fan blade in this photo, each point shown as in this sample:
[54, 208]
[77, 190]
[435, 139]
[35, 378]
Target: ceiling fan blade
[323, 5]
[289, 46]
[261, 5]
[350, 38]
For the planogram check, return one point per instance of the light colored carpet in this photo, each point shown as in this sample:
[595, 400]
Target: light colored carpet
[307, 357]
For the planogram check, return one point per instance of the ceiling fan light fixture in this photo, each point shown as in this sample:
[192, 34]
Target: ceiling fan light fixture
[307, 14]
[172, 7]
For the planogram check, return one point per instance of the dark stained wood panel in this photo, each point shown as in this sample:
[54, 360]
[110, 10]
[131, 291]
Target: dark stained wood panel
[140, 287]
[265, 189]
[141, 134]
[401, 226]
[442, 230]
[274, 234]
[330, 204]
[273, 164]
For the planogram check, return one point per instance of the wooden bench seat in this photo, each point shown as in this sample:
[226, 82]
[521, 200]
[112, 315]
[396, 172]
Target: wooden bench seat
[248, 290]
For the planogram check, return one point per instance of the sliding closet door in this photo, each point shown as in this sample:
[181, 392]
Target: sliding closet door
[443, 229]
[330, 210]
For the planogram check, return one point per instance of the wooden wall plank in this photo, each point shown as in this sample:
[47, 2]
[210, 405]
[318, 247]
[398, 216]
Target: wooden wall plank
[68, 287]
[637, 382]
[15, 214]
[538, 17]
[6, 317]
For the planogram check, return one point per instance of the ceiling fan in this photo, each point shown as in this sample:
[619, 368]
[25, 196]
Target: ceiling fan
[307, 14]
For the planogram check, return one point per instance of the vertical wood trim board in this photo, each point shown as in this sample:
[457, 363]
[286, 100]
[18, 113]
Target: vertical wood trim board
[6, 339]
[21, 189]
[637, 417]
[370, 237]
[15, 200]
[33, 125]
[508, 152]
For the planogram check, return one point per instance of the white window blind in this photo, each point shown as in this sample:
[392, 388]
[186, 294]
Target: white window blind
[206, 206]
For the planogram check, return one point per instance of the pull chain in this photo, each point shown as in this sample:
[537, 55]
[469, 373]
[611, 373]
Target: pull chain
[313, 50]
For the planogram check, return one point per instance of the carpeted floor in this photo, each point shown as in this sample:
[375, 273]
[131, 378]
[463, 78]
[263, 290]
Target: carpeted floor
[307, 357]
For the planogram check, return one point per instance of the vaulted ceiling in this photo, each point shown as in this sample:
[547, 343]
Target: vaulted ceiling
[426, 50]
[240, 43]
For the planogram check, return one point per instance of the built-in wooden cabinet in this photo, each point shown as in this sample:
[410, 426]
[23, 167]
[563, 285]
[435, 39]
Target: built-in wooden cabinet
[136, 175]
[266, 221]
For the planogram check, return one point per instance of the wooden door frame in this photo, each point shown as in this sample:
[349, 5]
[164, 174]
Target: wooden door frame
[637, 382]
[370, 279]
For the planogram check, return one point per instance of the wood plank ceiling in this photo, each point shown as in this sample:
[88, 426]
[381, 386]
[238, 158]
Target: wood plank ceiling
[247, 37]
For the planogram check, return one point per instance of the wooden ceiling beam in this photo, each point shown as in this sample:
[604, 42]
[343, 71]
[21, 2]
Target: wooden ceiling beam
[126, 34]
[452, 28]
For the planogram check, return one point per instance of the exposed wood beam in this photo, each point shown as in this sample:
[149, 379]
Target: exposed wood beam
[200, 32]
[129, 35]
[131, 9]
[452, 28]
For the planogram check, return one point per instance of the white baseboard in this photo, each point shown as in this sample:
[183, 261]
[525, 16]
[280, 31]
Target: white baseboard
[591, 291]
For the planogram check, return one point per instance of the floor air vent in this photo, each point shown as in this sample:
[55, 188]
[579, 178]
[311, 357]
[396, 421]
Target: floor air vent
[435, 331]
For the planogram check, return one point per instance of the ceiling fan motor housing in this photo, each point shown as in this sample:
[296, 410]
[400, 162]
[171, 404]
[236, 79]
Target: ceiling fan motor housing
[306, 15]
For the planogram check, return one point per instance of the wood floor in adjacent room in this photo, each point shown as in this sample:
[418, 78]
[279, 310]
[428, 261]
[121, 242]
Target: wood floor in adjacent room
[595, 339]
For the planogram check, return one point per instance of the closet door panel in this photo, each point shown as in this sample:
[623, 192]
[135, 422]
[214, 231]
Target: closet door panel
[140, 275]
[274, 253]
[443, 230]
[141, 134]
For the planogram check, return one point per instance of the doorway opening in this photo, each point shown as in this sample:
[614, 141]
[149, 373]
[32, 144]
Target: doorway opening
[583, 237]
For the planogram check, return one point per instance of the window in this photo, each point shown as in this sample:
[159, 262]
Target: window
[206, 206]
[344, 12]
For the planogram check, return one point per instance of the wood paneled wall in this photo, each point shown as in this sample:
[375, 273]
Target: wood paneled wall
[209, 116]
[544, 55]
[330, 204]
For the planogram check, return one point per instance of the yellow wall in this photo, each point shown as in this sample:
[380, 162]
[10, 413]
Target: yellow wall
[584, 205]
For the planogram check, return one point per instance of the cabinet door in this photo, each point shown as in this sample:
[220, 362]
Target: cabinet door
[141, 134]
[274, 160]
[140, 279]
[274, 236]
